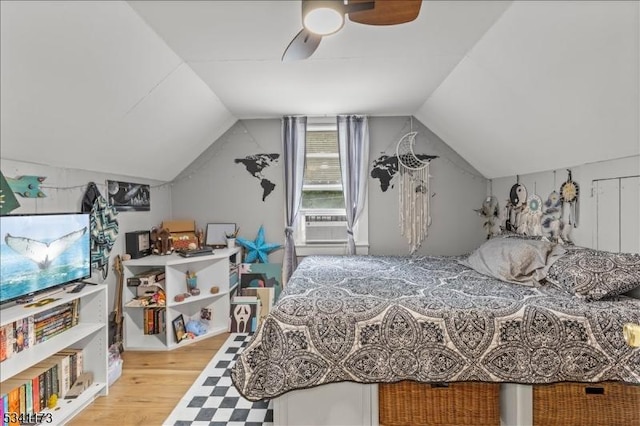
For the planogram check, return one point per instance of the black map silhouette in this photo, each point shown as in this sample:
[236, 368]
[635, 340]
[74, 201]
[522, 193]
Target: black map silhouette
[255, 165]
[385, 168]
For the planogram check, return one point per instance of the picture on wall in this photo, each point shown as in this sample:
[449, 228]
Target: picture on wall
[128, 196]
[261, 275]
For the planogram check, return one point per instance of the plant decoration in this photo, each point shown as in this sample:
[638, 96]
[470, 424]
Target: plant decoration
[259, 249]
[233, 234]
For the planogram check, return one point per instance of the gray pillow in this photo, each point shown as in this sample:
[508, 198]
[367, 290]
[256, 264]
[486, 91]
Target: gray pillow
[595, 274]
[514, 260]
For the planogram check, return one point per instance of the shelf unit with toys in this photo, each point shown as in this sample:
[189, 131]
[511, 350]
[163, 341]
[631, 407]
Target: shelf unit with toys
[216, 276]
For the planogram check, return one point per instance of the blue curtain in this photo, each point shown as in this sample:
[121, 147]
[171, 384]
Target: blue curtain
[353, 143]
[294, 134]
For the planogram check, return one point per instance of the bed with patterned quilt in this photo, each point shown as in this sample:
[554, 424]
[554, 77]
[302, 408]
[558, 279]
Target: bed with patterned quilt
[514, 311]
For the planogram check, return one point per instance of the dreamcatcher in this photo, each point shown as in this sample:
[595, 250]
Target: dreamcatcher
[569, 192]
[414, 192]
[533, 214]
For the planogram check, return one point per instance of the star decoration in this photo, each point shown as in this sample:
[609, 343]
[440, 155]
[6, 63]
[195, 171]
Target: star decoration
[257, 250]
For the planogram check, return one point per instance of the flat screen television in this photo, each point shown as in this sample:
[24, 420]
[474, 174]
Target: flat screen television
[39, 252]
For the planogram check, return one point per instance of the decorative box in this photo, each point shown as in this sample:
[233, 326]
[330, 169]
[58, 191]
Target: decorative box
[183, 233]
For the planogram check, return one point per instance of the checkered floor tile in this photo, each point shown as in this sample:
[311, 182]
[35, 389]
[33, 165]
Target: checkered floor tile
[214, 401]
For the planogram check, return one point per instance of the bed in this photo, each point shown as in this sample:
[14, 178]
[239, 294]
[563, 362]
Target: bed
[384, 319]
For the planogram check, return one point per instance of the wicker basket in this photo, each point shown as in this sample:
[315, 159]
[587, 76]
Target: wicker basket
[584, 404]
[465, 403]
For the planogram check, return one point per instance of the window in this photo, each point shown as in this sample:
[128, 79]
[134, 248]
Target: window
[322, 222]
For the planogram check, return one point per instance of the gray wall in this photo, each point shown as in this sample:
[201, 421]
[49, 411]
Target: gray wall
[64, 189]
[545, 182]
[215, 189]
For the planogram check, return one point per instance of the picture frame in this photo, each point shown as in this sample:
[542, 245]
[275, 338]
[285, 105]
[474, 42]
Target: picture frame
[179, 328]
[129, 196]
[216, 234]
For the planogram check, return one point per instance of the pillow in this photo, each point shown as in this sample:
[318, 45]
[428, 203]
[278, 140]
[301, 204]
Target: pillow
[595, 274]
[514, 260]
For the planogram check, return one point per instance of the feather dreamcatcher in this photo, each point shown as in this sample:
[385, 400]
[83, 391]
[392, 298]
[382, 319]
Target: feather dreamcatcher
[569, 192]
[414, 203]
[533, 215]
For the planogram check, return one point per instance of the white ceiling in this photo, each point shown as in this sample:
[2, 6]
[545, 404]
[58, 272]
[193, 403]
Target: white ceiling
[513, 87]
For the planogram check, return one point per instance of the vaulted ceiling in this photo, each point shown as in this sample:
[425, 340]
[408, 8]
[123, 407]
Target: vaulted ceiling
[514, 87]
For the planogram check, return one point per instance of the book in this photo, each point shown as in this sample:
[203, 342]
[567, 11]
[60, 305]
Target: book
[64, 373]
[3, 343]
[14, 404]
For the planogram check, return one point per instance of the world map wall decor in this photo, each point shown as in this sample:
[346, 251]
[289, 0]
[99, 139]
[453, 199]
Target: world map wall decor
[385, 168]
[256, 165]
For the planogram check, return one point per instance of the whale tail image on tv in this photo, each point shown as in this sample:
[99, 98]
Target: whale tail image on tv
[40, 252]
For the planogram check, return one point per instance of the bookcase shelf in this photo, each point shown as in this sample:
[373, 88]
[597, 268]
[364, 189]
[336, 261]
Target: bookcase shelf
[217, 270]
[89, 334]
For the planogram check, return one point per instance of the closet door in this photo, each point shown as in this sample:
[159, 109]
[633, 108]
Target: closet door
[630, 215]
[618, 214]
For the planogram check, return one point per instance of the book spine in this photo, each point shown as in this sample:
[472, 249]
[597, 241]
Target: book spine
[35, 387]
[2, 410]
[3, 343]
[14, 404]
[28, 397]
[23, 398]
[42, 391]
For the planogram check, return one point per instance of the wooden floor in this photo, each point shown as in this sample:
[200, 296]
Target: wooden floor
[151, 385]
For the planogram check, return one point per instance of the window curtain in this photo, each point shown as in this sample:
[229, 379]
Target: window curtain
[353, 146]
[294, 133]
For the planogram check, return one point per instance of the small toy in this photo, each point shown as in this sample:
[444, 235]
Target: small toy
[196, 327]
[215, 289]
[162, 241]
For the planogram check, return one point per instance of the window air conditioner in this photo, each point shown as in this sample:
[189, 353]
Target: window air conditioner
[325, 228]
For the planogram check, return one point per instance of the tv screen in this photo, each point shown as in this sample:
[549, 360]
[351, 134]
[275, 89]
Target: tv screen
[39, 252]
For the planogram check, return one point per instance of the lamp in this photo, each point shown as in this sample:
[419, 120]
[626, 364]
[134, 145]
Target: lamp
[323, 17]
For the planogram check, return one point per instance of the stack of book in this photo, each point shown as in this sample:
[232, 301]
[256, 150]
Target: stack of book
[31, 391]
[154, 320]
[28, 332]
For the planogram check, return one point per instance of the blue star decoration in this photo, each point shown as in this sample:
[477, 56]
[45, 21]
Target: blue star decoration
[257, 250]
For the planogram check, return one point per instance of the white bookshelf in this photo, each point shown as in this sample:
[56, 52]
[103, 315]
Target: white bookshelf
[211, 270]
[90, 335]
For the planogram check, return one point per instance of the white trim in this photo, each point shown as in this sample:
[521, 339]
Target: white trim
[337, 249]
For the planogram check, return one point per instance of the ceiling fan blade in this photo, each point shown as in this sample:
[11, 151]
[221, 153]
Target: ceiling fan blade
[302, 46]
[385, 12]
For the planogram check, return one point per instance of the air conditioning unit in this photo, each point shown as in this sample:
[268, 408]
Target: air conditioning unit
[325, 228]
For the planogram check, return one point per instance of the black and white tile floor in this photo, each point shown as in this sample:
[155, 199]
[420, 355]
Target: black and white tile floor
[213, 400]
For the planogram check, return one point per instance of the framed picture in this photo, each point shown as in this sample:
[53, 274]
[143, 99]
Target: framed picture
[179, 329]
[128, 196]
[216, 235]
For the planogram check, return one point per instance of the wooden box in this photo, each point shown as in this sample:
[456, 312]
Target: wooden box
[183, 233]
[584, 404]
[420, 404]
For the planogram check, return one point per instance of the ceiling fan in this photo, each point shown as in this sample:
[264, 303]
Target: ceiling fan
[326, 17]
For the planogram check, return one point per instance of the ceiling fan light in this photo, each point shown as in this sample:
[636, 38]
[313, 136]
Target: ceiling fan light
[323, 19]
